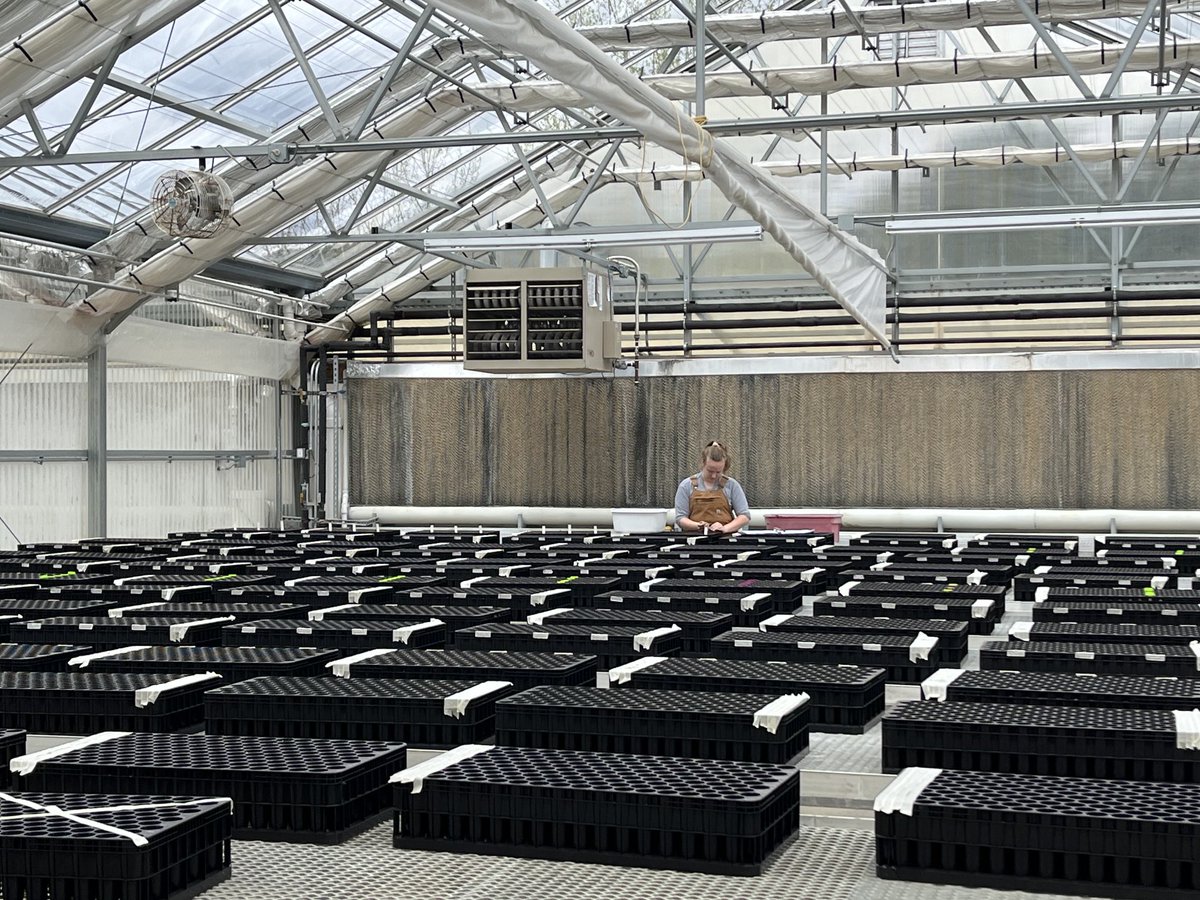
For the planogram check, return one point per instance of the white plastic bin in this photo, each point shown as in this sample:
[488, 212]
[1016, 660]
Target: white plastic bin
[639, 521]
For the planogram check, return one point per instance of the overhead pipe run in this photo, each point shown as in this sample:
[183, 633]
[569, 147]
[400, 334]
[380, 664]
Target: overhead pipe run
[1071, 521]
[851, 272]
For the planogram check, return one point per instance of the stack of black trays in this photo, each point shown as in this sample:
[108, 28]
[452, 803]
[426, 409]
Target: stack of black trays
[1077, 741]
[981, 614]
[339, 634]
[1103, 659]
[45, 855]
[39, 657]
[647, 811]
[699, 724]
[286, 789]
[370, 709]
[1040, 833]
[231, 663]
[12, 745]
[951, 635]
[523, 670]
[1071, 689]
[697, 629]
[610, 644]
[893, 652]
[842, 699]
[747, 610]
[1164, 613]
[86, 702]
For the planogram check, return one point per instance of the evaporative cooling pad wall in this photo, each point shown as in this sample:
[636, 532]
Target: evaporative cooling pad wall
[1079, 439]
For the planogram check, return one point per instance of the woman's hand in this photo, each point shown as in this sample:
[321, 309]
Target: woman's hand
[716, 527]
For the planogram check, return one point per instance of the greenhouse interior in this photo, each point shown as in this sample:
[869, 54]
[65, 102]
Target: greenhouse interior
[361, 358]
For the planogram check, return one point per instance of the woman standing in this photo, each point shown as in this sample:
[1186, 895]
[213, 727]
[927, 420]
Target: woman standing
[711, 500]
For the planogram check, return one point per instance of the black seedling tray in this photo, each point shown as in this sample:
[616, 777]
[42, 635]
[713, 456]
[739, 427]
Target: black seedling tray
[648, 811]
[1069, 689]
[697, 629]
[103, 632]
[1124, 839]
[336, 634]
[610, 644]
[747, 609]
[883, 651]
[284, 789]
[523, 670]
[88, 702]
[1113, 633]
[376, 709]
[241, 612]
[980, 619]
[1142, 612]
[1103, 659]
[842, 699]
[1025, 585]
[38, 657]
[697, 724]
[44, 855]
[12, 745]
[951, 635]
[231, 663]
[455, 617]
[1074, 741]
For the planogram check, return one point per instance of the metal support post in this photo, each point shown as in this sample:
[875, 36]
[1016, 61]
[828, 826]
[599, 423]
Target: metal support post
[97, 436]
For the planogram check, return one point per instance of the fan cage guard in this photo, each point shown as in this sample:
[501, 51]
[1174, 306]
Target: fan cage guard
[191, 203]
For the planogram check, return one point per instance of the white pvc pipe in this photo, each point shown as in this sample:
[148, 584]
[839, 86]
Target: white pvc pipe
[1150, 521]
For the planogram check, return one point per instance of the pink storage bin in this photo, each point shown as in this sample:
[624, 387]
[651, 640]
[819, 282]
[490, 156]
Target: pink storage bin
[795, 521]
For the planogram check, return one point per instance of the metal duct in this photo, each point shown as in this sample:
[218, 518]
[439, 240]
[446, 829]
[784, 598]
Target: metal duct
[852, 273]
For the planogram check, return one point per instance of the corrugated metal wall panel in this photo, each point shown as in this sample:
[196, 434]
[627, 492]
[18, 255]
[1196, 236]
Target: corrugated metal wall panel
[42, 502]
[169, 409]
[153, 498]
[43, 404]
[1080, 439]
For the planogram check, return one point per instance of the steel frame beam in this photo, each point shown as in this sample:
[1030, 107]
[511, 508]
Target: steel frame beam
[310, 76]
[774, 125]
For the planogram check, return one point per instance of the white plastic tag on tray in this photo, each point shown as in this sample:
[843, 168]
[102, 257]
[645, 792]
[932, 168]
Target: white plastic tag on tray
[846, 588]
[118, 612]
[340, 668]
[1158, 582]
[981, 609]
[82, 661]
[539, 618]
[594, 636]
[455, 705]
[403, 634]
[771, 716]
[540, 598]
[902, 794]
[800, 645]
[750, 601]
[1084, 654]
[774, 621]
[647, 586]
[1194, 646]
[1156, 657]
[146, 696]
[935, 686]
[1014, 654]
[1041, 595]
[922, 645]
[809, 574]
[318, 615]
[416, 775]
[1187, 729]
[976, 577]
[646, 639]
[880, 566]
[179, 630]
[1021, 631]
[623, 673]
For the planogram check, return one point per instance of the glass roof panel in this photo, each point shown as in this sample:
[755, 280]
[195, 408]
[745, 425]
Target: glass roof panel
[190, 31]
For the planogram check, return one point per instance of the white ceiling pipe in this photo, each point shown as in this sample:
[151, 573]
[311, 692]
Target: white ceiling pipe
[754, 29]
[290, 196]
[392, 257]
[849, 271]
[412, 282]
[989, 158]
[1071, 521]
[848, 74]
